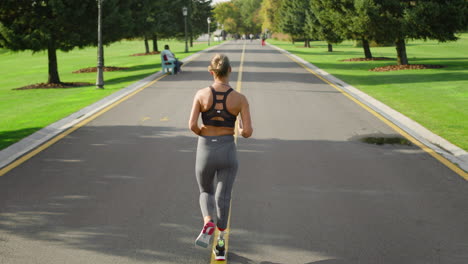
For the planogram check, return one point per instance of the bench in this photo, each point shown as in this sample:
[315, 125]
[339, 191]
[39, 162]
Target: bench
[167, 65]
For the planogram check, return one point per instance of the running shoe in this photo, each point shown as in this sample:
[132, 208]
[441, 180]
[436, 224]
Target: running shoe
[203, 240]
[220, 250]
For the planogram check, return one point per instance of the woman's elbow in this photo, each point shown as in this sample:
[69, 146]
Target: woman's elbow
[193, 126]
[246, 133]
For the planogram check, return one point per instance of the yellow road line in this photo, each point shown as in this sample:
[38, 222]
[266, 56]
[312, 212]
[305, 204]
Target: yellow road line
[236, 135]
[241, 69]
[65, 133]
[431, 152]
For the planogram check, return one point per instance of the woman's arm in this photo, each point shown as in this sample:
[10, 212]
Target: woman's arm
[193, 122]
[245, 123]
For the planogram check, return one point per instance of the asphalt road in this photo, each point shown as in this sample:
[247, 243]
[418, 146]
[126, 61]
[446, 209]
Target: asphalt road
[122, 189]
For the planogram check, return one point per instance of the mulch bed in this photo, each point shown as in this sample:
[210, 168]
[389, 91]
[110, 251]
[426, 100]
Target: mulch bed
[106, 69]
[369, 59]
[144, 54]
[406, 67]
[54, 85]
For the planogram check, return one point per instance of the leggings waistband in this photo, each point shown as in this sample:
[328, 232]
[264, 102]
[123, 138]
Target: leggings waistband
[216, 139]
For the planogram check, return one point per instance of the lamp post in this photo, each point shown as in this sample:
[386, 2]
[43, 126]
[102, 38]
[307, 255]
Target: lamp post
[100, 62]
[209, 21]
[184, 12]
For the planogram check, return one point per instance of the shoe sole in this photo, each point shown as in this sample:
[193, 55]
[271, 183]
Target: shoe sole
[219, 258]
[203, 240]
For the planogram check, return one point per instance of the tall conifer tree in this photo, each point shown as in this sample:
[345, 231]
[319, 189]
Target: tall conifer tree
[292, 19]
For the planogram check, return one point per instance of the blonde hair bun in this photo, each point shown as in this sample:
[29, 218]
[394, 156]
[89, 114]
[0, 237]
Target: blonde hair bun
[220, 65]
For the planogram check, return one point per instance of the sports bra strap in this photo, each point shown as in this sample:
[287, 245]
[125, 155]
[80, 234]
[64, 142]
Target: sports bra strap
[216, 100]
[224, 98]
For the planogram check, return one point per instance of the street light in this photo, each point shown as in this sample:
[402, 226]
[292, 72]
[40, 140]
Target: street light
[209, 21]
[100, 62]
[184, 12]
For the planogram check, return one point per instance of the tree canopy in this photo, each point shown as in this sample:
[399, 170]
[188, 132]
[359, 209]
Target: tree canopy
[53, 25]
[292, 19]
[228, 14]
[269, 11]
[320, 25]
[57, 25]
[239, 16]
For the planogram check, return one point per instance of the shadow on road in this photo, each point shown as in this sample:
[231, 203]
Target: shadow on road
[130, 192]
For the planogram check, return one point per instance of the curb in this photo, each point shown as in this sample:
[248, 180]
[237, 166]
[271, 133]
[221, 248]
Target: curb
[438, 144]
[31, 142]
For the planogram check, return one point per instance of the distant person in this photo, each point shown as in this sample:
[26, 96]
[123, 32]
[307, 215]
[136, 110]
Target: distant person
[216, 160]
[263, 39]
[169, 56]
[251, 37]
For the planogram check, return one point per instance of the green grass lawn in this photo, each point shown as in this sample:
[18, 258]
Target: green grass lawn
[23, 112]
[435, 98]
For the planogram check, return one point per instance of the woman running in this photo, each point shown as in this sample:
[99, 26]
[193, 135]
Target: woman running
[219, 106]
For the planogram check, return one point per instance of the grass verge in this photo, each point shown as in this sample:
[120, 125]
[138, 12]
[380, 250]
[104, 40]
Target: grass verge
[23, 112]
[435, 98]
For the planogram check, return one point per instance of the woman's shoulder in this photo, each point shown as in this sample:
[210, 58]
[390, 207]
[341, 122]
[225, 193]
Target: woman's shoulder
[202, 92]
[239, 94]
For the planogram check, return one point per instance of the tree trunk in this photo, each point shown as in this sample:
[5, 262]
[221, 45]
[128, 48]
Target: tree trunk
[146, 45]
[155, 42]
[401, 52]
[53, 72]
[191, 34]
[367, 51]
[190, 24]
[330, 47]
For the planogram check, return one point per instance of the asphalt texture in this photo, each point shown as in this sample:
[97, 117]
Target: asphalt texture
[122, 189]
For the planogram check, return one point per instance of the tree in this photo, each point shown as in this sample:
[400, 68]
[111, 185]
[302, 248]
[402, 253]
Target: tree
[319, 24]
[230, 25]
[411, 19]
[200, 12]
[143, 23]
[269, 11]
[239, 16]
[351, 19]
[168, 20]
[229, 15]
[151, 19]
[56, 24]
[292, 19]
[250, 20]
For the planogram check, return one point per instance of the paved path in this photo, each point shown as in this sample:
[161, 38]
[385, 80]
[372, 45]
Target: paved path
[122, 189]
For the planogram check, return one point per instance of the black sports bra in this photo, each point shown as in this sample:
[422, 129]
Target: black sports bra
[228, 119]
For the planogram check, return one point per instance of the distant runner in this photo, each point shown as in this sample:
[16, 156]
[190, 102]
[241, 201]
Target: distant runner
[219, 106]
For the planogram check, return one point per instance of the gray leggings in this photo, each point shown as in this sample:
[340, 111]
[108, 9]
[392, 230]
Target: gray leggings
[216, 156]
